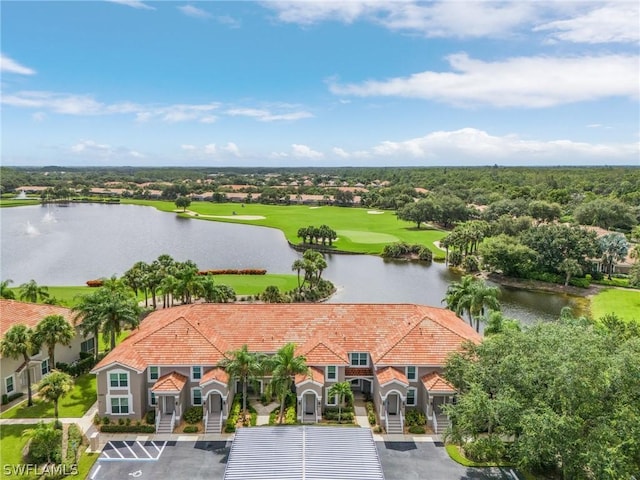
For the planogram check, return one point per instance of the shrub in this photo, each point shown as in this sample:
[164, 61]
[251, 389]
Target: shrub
[73, 445]
[580, 282]
[191, 429]
[415, 418]
[290, 416]
[378, 429]
[425, 254]
[416, 429]
[193, 415]
[121, 421]
[11, 397]
[485, 449]
[471, 263]
[128, 429]
[150, 417]
[345, 417]
[106, 421]
[455, 258]
[46, 444]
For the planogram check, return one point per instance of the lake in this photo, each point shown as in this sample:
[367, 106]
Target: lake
[69, 245]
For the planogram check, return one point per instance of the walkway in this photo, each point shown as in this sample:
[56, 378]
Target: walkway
[263, 410]
[85, 422]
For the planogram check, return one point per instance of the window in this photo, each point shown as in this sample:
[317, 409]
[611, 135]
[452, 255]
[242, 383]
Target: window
[196, 396]
[119, 380]
[119, 405]
[412, 374]
[154, 373]
[331, 400]
[332, 372]
[411, 397]
[88, 346]
[44, 366]
[153, 401]
[359, 359]
[196, 373]
[8, 384]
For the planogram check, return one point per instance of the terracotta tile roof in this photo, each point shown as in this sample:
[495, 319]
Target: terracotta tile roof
[315, 374]
[172, 382]
[389, 374]
[358, 372]
[13, 312]
[433, 382]
[217, 374]
[200, 334]
[323, 352]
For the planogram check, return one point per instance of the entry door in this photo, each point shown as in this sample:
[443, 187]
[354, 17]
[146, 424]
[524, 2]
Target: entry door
[309, 404]
[169, 404]
[215, 403]
[392, 404]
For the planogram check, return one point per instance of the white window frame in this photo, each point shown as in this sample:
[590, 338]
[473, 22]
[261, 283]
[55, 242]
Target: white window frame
[366, 356]
[335, 373]
[13, 384]
[415, 373]
[119, 386]
[193, 390]
[153, 400]
[93, 348]
[194, 379]
[120, 398]
[42, 367]
[415, 397]
[329, 398]
[149, 377]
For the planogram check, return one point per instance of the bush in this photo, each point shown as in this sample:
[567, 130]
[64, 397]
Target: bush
[290, 416]
[416, 429]
[106, 421]
[580, 282]
[11, 397]
[455, 258]
[485, 449]
[425, 254]
[415, 418]
[193, 415]
[46, 444]
[191, 429]
[128, 429]
[471, 263]
[77, 368]
[345, 417]
[74, 443]
[150, 417]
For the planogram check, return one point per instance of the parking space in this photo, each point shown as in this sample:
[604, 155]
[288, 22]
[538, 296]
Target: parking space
[133, 450]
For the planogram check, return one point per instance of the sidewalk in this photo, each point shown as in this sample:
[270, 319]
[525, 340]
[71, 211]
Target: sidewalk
[85, 422]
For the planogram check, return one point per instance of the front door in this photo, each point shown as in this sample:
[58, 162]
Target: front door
[309, 404]
[215, 403]
[392, 404]
[169, 404]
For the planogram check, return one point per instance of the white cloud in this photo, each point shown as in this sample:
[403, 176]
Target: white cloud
[39, 116]
[278, 155]
[477, 145]
[303, 151]
[614, 22]
[265, 115]
[232, 148]
[89, 146]
[8, 65]
[532, 82]
[340, 152]
[208, 119]
[133, 4]
[210, 149]
[136, 154]
[191, 11]
[188, 148]
[228, 21]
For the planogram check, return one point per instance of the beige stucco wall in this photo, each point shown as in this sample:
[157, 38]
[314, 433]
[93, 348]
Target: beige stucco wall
[136, 391]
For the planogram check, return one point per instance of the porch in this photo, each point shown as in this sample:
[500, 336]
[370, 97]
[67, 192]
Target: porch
[168, 392]
[215, 399]
[439, 393]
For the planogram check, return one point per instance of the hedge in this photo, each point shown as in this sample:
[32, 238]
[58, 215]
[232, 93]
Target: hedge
[10, 398]
[127, 428]
[232, 271]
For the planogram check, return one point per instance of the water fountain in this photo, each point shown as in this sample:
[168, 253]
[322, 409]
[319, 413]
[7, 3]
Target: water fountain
[49, 218]
[31, 230]
[21, 196]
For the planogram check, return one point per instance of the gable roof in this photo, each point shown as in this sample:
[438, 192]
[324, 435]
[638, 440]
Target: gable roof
[200, 334]
[433, 382]
[315, 375]
[390, 374]
[13, 312]
[215, 375]
[172, 382]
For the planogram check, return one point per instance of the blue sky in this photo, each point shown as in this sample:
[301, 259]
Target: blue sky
[299, 83]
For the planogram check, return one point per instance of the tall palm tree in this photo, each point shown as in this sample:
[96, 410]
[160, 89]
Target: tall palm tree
[286, 365]
[483, 297]
[17, 343]
[53, 387]
[88, 317]
[53, 330]
[298, 266]
[5, 292]
[458, 296]
[32, 292]
[343, 391]
[244, 366]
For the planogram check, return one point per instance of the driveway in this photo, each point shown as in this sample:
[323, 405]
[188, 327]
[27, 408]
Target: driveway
[206, 460]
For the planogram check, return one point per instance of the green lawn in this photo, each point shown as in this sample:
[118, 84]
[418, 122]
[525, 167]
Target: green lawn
[359, 231]
[254, 284]
[73, 405]
[624, 303]
[67, 296]
[12, 202]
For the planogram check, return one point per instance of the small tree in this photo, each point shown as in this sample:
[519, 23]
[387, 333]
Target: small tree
[183, 203]
[343, 391]
[32, 292]
[5, 292]
[18, 342]
[53, 330]
[54, 386]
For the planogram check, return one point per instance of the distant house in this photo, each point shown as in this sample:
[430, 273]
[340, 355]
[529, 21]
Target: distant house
[393, 353]
[14, 371]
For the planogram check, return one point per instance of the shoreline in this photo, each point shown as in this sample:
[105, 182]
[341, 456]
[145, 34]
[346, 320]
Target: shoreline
[540, 286]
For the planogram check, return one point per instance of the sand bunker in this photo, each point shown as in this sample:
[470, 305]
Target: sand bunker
[314, 208]
[374, 212]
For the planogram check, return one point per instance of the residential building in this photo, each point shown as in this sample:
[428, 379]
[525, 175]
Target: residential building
[392, 353]
[14, 371]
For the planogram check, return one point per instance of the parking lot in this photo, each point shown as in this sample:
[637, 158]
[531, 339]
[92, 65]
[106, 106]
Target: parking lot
[189, 460]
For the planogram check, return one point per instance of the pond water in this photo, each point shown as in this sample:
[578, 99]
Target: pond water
[69, 245]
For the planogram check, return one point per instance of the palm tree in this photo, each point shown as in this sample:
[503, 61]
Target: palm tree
[53, 330]
[54, 386]
[18, 342]
[483, 297]
[5, 291]
[343, 391]
[88, 318]
[244, 366]
[286, 365]
[31, 292]
[298, 266]
[458, 296]
[570, 267]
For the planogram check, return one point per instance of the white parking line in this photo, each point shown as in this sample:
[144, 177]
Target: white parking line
[154, 444]
[164, 444]
[93, 475]
[149, 455]
[144, 449]
[135, 455]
